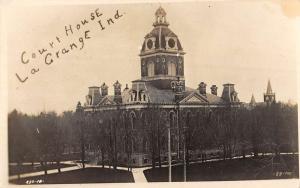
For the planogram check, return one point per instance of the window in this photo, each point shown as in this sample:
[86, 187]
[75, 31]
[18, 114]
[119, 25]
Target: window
[145, 161]
[149, 44]
[171, 69]
[171, 43]
[132, 120]
[151, 69]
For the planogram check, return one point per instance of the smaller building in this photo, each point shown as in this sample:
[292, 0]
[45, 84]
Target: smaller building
[269, 98]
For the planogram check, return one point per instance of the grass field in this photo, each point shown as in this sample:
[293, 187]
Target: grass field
[88, 175]
[230, 170]
[28, 168]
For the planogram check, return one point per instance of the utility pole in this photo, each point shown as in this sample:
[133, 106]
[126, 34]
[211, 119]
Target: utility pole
[169, 149]
[178, 88]
[184, 160]
[183, 139]
[81, 120]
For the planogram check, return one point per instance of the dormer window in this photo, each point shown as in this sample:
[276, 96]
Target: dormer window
[171, 43]
[150, 43]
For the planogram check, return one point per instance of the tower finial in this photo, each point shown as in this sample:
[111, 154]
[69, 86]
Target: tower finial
[252, 100]
[160, 17]
[269, 88]
[269, 96]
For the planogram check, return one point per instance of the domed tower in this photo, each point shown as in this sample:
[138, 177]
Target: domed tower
[161, 55]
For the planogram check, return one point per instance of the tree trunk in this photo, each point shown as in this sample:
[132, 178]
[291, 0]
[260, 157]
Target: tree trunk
[158, 147]
[187, 156]
[224, 152]
[102, 157]
[19, 169]
[83, 155]
[153, 151]
[82, 148]
[153, 159]
[115, 148]
[58, 166]
[45, 167]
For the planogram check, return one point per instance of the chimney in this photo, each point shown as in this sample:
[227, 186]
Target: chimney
[229, 94]
[79, 107]
[94, 96]
[104, 89]
[214, 89]
[202, 88]
[117, 88]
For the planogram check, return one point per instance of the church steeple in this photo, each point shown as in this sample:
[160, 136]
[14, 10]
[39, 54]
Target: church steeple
[269, 96]
[269, 88]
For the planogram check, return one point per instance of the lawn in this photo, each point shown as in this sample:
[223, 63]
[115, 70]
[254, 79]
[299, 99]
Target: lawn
[14, 169]
[87, 175]
[28, 168]
[230, 170]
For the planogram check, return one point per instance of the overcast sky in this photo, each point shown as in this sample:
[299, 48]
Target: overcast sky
[245, 43]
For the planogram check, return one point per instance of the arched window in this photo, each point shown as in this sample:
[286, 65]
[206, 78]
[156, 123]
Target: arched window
[133, 96]
[144, 119]
[132, 120]
[172, 120]
[151, 69]
[171, 69]
[188, 119]
[140, 95]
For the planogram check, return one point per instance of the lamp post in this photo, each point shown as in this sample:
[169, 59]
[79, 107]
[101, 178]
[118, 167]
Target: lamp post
[82, 145]
[102, 133]
[178, 88]
[184, 160]
[169, 153]
[183, 140]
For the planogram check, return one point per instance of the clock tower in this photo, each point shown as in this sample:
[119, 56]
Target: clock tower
[161, 55]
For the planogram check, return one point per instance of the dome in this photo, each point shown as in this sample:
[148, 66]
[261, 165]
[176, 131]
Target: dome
[161, 38]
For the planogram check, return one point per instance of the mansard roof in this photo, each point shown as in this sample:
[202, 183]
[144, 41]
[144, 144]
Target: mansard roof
[160, 34]
[167, 96]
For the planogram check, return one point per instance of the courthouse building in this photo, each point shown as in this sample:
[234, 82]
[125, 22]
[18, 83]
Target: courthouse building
[137, 117]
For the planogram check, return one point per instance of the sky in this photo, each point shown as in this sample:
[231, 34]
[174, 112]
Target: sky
[244, 42]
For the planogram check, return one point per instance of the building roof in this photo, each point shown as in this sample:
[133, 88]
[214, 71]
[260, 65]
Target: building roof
[252, 100]
[167, 96]
[160, 34]
[269, 88]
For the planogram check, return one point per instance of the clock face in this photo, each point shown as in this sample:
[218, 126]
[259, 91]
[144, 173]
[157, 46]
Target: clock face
[171, 43]
[149, 44]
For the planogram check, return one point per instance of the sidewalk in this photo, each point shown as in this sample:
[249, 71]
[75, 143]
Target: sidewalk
[53, 171]
[137, 173]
